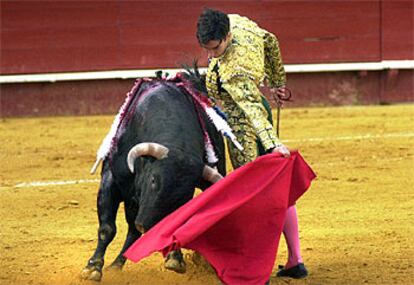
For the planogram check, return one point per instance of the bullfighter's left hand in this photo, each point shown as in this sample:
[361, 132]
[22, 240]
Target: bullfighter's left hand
[282, 149]
[280, 91]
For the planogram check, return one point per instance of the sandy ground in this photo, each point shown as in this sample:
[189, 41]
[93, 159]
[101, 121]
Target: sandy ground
[356, 220]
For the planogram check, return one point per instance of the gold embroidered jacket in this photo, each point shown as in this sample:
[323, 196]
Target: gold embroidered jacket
[234, 77]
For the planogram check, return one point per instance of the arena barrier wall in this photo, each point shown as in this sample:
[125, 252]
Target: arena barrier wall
[104, 96]
[41, 39]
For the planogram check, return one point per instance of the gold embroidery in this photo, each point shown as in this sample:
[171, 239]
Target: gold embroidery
[234, 78]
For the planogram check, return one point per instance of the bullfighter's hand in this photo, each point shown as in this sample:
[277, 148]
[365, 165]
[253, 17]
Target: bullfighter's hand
[280, 91]
[282, 149]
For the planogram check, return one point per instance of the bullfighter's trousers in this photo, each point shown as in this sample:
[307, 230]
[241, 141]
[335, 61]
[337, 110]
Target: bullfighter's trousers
[243, 130]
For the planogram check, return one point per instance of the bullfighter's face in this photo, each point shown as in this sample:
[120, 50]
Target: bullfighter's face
[216, 48]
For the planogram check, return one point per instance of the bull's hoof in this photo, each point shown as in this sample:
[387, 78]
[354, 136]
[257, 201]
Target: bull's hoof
[91, 274]
[114, 267]
[117, 264]
[175, 262]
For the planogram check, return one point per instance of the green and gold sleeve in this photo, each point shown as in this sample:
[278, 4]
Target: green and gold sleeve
[274, 69]
[247, 96]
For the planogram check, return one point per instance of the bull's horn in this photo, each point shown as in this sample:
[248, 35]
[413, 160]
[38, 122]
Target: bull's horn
[95, 166]
[153, 149]
[210, 174]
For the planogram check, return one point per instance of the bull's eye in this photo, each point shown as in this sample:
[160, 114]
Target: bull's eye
[153, 183]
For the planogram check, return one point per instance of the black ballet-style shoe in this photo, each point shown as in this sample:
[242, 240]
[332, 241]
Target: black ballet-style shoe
[297, 272]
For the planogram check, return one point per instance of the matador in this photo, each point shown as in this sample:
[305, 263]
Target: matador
[234, 77]
[242, 56]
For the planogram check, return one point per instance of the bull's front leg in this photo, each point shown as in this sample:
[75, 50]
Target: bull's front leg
[107, 203]
[131, 210]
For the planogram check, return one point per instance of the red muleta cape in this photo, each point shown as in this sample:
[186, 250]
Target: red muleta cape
[236, 223]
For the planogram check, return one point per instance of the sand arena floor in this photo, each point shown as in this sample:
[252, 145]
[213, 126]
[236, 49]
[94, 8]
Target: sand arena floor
[356, 221]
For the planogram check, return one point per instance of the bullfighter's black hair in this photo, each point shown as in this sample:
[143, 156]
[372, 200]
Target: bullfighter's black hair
[212, 25]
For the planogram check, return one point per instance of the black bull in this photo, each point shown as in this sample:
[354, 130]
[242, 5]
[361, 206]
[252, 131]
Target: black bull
[168, 116]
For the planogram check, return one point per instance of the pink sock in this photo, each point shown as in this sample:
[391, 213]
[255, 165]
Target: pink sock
[291, 233]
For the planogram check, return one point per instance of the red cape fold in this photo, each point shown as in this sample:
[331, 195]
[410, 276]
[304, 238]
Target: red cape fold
[236, 223]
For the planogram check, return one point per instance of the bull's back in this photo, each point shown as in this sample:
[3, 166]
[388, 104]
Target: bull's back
[167, 115]
[164, 115]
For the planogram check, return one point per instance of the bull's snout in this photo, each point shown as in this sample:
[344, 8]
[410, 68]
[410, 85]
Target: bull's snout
[140, 228]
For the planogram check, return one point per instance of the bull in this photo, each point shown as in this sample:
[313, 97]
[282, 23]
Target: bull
[155, 164]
